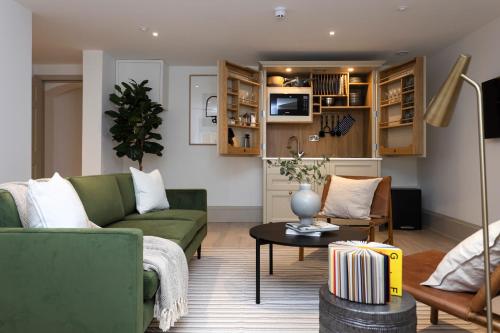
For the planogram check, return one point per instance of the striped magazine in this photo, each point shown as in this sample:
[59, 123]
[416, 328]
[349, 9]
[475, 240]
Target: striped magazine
[365, 272]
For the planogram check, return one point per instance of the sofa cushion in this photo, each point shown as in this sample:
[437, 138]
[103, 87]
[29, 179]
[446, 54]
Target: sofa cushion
[126, 185]
[181, 232]
[150, 284]
[9, 217]
[199, 216]
[101, 198]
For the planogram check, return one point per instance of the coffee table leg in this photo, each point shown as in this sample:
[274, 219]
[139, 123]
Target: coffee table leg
[301, 254]
[271, 259]
[257, 271]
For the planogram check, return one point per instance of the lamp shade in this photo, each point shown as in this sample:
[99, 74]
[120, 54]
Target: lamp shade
[440, 109]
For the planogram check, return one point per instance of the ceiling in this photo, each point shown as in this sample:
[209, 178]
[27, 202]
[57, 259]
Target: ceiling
[198, 32]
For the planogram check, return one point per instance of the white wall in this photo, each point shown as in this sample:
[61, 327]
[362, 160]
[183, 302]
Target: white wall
[230, 181]
[403, 170]
[15, 92]
[98, 82]
[92, 111]
[450, 174]
[110, 163]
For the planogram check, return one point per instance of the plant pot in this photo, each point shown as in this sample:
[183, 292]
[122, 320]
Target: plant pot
[305, 204]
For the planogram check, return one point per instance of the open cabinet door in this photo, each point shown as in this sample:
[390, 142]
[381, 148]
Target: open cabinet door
[401, 130]
[238, 110]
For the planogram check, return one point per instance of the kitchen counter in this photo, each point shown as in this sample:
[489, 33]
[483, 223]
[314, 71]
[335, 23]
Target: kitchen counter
[331, 158]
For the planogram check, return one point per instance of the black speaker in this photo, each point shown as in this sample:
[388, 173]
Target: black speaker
[406, 208]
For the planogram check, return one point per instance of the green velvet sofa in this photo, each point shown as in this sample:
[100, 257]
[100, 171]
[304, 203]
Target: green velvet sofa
[91, 280]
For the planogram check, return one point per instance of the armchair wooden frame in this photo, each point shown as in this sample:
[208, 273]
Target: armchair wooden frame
[467, 306]
[381, 209]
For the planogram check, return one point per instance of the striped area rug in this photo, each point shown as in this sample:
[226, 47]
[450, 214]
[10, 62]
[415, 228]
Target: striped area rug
[222, 295]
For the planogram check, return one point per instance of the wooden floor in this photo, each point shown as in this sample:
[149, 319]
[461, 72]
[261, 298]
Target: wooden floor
[235, 235]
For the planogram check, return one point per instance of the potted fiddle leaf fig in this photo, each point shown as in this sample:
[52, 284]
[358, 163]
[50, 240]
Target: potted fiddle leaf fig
[135, 121]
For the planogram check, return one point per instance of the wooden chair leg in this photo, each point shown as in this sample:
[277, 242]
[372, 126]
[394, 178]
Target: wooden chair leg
[301, 254]
[371, 237]
[434, 316]
[390, 233]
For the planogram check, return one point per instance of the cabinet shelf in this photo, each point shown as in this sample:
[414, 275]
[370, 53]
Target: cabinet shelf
[245, 126]
[406, 150]
[243, 151]
[249, 104]
[385, 104]
[395, 77]
[395, 125]
[358, 84]
[242, 80]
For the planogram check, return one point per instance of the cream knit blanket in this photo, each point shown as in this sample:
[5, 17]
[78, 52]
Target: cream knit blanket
[160, 255]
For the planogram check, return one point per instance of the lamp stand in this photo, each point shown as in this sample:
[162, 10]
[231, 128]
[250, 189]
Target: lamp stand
[484, 201]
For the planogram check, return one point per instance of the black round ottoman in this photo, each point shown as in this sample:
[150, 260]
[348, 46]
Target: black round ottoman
[338, 315]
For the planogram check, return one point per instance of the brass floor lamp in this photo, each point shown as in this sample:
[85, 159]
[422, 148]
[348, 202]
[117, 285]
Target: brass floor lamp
[439, 113]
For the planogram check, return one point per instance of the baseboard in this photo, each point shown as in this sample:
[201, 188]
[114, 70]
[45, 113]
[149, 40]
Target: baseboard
[235, 214]
[448, 226]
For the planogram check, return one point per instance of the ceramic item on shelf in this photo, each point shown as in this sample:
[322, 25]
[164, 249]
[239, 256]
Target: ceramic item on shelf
[305, 204]
[246, 141]
[275, 81]
[329, 101]
[236, 142]
[253, 120]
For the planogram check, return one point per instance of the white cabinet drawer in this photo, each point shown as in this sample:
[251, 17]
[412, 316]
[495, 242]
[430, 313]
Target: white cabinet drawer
[355, 168]
[278, 207]
[280, 183]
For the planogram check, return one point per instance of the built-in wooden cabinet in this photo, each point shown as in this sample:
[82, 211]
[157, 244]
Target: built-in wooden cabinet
[400, 126]
[239, 123]
[386, 105]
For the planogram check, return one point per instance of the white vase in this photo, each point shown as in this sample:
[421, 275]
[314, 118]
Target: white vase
[305, 204]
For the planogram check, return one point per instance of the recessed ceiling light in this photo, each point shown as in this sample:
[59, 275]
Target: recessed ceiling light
[143, 28]
[155, 34]
[288, 69]
[402, 8]
[196, 85]
[332, 33]
[350, 69]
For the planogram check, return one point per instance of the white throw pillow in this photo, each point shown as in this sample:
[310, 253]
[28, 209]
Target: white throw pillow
[55, 204]
[149, 191]
[350, 198]
[462, 269]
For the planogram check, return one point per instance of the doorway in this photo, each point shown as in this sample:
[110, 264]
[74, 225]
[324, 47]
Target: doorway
[57, 126]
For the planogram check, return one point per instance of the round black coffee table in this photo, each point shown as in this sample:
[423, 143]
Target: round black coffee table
[274, 233]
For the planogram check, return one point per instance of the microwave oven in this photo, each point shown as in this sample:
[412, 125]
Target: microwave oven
[289, 105]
